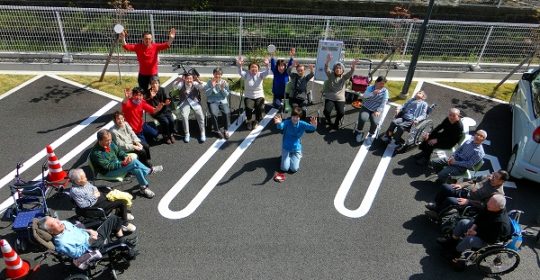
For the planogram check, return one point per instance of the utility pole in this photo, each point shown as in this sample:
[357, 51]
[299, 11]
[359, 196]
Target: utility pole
[416, 51]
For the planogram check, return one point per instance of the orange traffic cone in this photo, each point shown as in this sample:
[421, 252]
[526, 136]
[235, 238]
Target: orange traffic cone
[56, 173]
[16, 268]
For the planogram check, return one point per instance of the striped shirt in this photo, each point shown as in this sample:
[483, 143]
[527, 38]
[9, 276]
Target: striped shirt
[375, 102]
[468, 154]
[414, 110]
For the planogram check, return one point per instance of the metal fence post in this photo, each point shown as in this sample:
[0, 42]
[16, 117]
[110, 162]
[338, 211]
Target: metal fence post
[402, 64]
[240, 31]
[67, 58]
[326, 29]
[477, 66]
[152, 25]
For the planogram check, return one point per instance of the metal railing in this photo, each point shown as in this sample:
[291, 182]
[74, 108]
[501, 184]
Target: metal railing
[28, 31]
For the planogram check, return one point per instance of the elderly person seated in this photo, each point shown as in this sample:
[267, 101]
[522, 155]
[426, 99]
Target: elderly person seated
[492, 225]
[465, 157]
[412, 112]
[80, 244]
[469, 193]
[85, 195]
[110, 161]
[124, 137]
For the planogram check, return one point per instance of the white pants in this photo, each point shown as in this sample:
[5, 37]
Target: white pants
[184, 109]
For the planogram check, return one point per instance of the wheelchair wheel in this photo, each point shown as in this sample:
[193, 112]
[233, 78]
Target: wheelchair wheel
[424, 127]
[78, 276]
[498, 261]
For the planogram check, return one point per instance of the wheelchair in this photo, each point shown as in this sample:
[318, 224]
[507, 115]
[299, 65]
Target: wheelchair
[500, 258]
[416, 132]
[114, 258]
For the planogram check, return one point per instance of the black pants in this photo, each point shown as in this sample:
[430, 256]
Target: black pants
[329, 107]
[166, 124]
[256, 105]
[428, 149]
[144, 155]
[302, 103]
[112, 224]
[118, 206]
[144, 81]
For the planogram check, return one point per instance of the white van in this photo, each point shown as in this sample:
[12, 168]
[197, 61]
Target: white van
[525, 104]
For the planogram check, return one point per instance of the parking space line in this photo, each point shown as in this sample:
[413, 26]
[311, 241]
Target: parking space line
[42, 153]
[9, 92]
[341, 195]
[163, 206]
[64, 160]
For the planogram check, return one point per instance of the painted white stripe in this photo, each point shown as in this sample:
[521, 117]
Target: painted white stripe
[27, 164]
[467, 92]
[9, 92]
[341, 195]
[69, 156]
[212, 183]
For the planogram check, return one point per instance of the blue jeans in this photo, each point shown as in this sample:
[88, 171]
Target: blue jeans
[363, 116]
[445, 171]
[147, 131]
[467, 242]
[136, 168]
[290, 160]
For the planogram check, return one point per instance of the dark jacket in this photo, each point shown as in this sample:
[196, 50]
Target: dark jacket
[161, 97]
[447, 134]
[493, 227]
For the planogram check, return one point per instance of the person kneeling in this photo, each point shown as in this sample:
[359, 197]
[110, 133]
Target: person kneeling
[291, 152]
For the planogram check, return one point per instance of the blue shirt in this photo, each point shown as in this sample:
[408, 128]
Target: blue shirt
[375, 102]
[280, 79]
[414, 110]
[292, 133]
[469, 154]
[72, 242]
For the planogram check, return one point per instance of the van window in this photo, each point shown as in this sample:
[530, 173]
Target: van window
[535, 90]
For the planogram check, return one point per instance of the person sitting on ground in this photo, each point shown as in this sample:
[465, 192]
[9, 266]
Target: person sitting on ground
[444, 136]
[124, 137]
[291, 151]
[187, 95]
[156, 95]
[412, 112]
[217, 92]
[281, 78]
[73, 241]
[334, 90]
[490, 226]
[110, 161]
[253, 90]
[298, 83]
[374, 100]
[470, 193]
[465, 157]
[86, 195]
[133, 107]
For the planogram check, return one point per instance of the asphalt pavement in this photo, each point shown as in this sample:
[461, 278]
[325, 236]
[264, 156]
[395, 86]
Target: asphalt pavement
[246, 226]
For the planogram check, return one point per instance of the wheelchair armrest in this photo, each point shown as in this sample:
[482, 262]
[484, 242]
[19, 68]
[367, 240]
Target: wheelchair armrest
[92, 212]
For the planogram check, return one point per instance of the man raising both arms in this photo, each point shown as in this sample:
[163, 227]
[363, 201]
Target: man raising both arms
[147, 55]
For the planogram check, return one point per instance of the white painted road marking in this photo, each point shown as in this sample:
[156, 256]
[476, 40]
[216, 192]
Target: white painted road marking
[339, 200]
[41, 154]
[163, 206]
[64, 160]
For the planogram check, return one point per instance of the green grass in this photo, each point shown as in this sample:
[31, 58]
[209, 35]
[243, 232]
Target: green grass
[11, 81]
[504, 92]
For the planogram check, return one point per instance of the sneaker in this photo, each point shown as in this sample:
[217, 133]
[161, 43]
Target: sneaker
[186, 138]
[129, 228]
[202, 139]
[219, 134]
[359, 137]
[147, 192]
[172, 139]
[431, 206]
[227, 135]
[249, 125]
[279, 177]
[385, 138]
[369, 139]
[130, 217]
[156, 169]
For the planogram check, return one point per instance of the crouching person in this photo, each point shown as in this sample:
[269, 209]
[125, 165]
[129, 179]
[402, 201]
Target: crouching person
[291, 152]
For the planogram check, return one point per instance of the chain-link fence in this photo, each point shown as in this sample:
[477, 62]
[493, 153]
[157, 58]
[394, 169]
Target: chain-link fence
[40, 30]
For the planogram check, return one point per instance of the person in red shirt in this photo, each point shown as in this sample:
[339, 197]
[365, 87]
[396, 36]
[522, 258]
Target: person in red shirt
[147, 55]
[133, 107]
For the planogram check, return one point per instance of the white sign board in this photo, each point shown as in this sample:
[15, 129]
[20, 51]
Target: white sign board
[336, 49]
